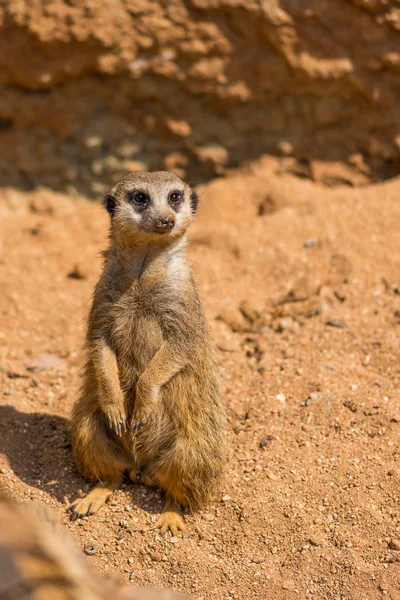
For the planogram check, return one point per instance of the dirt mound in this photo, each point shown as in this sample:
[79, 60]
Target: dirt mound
[301, 288]
[91, 89]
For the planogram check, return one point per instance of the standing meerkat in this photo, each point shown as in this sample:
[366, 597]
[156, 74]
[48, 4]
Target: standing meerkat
[150, 402]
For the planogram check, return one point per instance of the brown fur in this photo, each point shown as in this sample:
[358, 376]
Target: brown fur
[150, 397]
[39, 560]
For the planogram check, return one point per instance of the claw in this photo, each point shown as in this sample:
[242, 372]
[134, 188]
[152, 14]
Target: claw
[139, 425]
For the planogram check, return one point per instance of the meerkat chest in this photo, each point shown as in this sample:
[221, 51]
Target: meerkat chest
[135, 327]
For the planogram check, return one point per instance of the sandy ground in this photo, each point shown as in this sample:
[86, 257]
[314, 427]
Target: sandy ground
[301, 286]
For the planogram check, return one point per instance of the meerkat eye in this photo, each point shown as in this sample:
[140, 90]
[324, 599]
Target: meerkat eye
[139, 198]
[175, 198]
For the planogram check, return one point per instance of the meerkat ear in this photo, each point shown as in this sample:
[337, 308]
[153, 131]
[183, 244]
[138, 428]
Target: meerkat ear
[109, 204]
[194, 200]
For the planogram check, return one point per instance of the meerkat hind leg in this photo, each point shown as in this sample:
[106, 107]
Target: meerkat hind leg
[171, 517]
[95, 499]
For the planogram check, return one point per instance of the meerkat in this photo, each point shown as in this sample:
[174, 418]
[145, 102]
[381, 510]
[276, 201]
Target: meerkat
[150, 403]
[40, 560]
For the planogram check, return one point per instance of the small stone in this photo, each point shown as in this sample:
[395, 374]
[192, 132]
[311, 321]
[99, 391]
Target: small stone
[257, 559]
[315, 541]
[90, 550]
[271, 476]
[394, 544]
[156, 556]
[207, 517]
[265, 440]
[288, 585]
[226, 498]
[284, 323]
[123, 523]
[281, 398]
[351, 405]
[336, 323]
[131, 561]
[78, 272]
[44, 362]
[393, 472]
[249, 312]
[8, 392]
[310, 242]
[313, 398]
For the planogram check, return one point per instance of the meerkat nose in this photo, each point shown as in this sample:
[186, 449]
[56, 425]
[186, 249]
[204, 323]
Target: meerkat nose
[165, 223]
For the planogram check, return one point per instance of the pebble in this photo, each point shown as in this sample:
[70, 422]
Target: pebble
[315, 541]
[156, 556]
[281, 398]
[393, 472]
[207, 517]
[257, 559]
[288, 585]
[265, 440]
[90, 550]
[271, 476]
[249, 312]
[78, 272]
[284, 323]
[310, 242]
[336, 323]
[8, 392]
[394, 544]
[226, 498]
[313, 397]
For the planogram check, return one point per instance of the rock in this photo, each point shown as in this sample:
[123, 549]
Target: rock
[233, 319]
[310, 242]
[271, 476]
[249, 312]
[90, 550]
[394, 544]
[336, 323]
[351, 405]
[288, 585]
[257, 559]
[265, 440]
[281, 398]
[226, 498]
[315, 541]
[394, 472]
[78, 272]
[47, 362]
[208, 517]
[312, 398]
[285, 323]
[156, 556]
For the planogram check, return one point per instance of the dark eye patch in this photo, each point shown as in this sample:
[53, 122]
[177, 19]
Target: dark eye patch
[139, 198]
[175, 198]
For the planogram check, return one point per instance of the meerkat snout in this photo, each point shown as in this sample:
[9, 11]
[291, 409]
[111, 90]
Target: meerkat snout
[164, 224]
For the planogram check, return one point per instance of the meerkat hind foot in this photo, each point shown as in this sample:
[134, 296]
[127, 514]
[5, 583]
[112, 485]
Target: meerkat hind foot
[83, 507]
[171, 518]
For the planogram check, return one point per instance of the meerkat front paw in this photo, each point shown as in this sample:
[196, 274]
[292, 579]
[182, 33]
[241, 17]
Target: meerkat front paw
[116, 419]
[171, 520]
[145, 403]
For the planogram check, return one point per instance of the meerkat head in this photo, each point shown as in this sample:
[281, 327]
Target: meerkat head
[155, 205]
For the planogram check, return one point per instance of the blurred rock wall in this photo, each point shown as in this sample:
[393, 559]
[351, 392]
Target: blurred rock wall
[93, 88]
